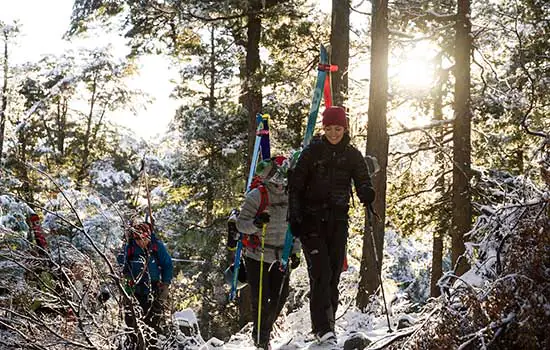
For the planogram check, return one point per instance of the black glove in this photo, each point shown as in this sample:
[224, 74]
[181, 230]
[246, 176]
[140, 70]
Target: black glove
[294, 261]
[103, 295]
[232, 235]
[163, 290]
[366, 194]
[261, 219]
[296, 227]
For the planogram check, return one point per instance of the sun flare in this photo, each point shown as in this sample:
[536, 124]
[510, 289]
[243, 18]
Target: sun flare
[412, 76]
[412, 69]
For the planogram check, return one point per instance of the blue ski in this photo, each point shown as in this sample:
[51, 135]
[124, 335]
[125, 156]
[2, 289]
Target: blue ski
[317, 95]
[264, 142]
[261, 132]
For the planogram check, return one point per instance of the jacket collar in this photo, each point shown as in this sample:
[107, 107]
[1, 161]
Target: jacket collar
[274, 189]
[340, 146]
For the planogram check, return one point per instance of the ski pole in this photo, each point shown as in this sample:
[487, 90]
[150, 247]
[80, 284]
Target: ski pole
[253, 163]
[370, 212]
[286, 274]
[264, 227]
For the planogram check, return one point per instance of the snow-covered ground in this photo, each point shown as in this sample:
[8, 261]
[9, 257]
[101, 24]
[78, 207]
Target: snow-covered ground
[293, 329]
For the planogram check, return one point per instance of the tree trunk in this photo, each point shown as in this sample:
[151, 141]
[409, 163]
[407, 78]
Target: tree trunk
[437, 247]
[26, 190]
[462, 211]
[205, 314]
[87, 136]
[62, 107]
[377, 145]
[252, 92]
[210, 191]
[4, 105]
[252, 88]
[339, 43]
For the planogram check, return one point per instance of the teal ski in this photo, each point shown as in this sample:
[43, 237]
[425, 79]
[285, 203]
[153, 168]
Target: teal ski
[261, 132]
[322, 73]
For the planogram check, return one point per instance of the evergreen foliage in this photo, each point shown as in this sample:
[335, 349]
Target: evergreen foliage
[87, 177]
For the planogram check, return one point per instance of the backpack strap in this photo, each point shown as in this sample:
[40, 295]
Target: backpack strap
[131, 251]
[253, 241]
[154, 251]
[264, 199]
[256, 182]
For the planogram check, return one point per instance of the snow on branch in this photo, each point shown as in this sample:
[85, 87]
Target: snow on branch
[503, 301]
[423, 127]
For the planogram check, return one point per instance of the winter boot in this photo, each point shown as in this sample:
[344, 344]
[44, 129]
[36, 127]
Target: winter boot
[262, 345]
[264, 340]
[329, 338]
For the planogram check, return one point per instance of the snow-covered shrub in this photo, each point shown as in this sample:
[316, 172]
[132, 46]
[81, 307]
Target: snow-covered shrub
[86, 220]
[51, 296]
[407, 262]
[12, 276]
[46, 294]
[13, 214]
[108, 181]
[14, 228]
[503, 301]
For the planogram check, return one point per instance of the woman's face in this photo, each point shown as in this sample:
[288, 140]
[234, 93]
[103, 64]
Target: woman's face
[334, 133]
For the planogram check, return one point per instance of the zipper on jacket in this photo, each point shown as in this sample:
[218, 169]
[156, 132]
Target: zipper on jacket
[331, 175]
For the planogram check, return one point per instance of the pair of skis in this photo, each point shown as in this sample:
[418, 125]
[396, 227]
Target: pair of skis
[322, 89]
[261, 148]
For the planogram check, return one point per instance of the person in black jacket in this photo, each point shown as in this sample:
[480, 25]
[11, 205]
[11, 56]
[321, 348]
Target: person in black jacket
[319, 194]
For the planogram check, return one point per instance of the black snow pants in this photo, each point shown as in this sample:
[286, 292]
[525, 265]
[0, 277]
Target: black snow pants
[272, 302]
[324, 248]
[152, 308]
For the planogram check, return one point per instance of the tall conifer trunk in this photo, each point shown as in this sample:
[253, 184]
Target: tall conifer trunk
[462, 208]
[377, 145]
[4, 93]
[441, 188]
[210, 193]
[253, 78]
[252, 102]
[339, 53]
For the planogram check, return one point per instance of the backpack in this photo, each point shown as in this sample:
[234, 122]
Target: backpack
[154, 251]
[249, 241]
[36, 229]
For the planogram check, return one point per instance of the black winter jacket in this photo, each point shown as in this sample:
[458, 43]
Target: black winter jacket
[320, 184]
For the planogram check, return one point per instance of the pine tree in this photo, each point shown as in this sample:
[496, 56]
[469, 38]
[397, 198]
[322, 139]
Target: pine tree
[377, 145]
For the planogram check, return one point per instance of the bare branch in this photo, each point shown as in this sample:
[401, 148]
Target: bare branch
[424, 127]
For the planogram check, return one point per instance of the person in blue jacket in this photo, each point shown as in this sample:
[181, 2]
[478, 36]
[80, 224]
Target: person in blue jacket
[148, 272]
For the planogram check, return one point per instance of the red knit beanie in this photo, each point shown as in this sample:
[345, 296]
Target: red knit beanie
[335, 115]
[141, 230]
